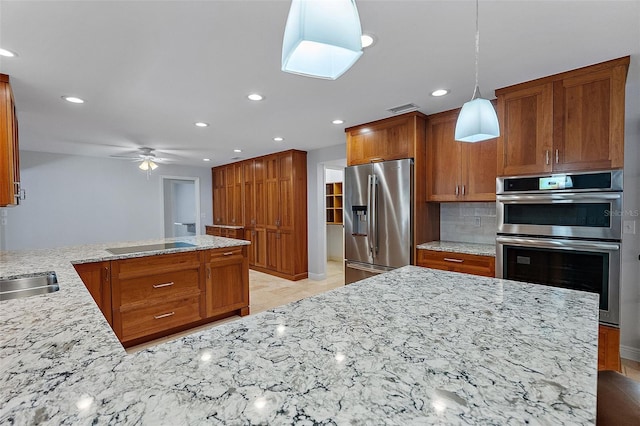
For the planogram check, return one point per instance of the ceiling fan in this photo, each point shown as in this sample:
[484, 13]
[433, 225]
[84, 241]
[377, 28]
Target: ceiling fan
[148, 160]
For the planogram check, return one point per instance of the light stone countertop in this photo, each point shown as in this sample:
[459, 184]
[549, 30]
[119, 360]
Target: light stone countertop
[412, 346]
[457, 247]
[226, 226]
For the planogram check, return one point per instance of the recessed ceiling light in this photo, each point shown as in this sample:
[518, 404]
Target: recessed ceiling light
[237, 150]
[206, 159]
[278, 139]
[73, 99]
[366, 40]
[201, 124]
[338, 121]
[439, 92]
[255, 97]
[7, 53]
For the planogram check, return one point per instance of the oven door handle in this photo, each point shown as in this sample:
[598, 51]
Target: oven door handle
[563, 197]
[559, 244]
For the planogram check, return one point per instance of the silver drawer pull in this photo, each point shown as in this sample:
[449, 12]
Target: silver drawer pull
[229, 253]
[163, 285]
[448, 259]
[164, 315]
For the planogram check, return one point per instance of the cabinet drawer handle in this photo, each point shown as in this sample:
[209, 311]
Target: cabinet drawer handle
[376, 160]
[448, 259]
[229, 253]
[164, 315]
[557, 157]
[546, 156]
[163, 285]
[462, 189]
[457, 190]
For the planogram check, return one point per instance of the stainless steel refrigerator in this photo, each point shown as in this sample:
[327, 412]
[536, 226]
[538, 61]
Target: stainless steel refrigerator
[378, 230]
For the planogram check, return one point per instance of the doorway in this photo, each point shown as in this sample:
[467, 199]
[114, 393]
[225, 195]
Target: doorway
[181, 200]
[334, 228]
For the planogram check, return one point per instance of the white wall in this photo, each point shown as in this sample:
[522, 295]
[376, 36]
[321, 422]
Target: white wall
[78, 200]
[316, 161]
[630, 287]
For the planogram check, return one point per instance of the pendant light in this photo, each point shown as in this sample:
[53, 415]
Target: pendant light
[477, 120]
[322, 38]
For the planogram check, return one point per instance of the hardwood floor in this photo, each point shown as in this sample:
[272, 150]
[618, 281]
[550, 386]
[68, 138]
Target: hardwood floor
[631, 369]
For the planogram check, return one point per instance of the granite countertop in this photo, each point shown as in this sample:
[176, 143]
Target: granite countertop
[414, 345]
[226, 226]
[456, 247]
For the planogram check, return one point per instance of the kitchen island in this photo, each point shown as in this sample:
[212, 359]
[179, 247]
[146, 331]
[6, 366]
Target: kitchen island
[415, 345]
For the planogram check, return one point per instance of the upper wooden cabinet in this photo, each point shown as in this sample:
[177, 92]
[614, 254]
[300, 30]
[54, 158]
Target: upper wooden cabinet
[458, 171]
[573, 121]
[9, 152]
[389, 139]
[219, 185]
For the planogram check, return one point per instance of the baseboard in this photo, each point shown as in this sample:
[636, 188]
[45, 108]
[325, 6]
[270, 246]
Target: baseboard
[317, 277]
[627, 352]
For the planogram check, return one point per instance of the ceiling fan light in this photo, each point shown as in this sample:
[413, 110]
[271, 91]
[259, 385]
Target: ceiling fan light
[153, 165]
[322, 38]
[144, 165]
[477, 121]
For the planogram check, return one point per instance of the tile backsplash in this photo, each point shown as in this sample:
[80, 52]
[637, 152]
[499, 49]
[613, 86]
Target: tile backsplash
[468, 222]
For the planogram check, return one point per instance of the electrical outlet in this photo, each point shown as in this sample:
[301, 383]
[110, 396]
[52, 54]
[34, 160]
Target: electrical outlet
[629, 227]
[3, 221]
[3, 212]
[476, 221]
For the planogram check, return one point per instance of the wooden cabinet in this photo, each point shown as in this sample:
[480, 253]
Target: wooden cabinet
[401, 136]
[154, 294]
[96, 276]
[227, 282]
[333, 203]
[272, 200]
[458, 171]
[10, 191]
[609, 348]
[573, 121]
[458, 262]
[225, 231]
[218, 175]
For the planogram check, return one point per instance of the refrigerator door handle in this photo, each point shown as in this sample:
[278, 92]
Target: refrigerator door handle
[373, 217]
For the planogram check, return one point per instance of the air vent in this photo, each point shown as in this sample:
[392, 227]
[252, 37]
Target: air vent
[403, 108]
[236, 158]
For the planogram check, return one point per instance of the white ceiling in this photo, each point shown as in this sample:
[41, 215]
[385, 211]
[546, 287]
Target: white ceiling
[148, 70]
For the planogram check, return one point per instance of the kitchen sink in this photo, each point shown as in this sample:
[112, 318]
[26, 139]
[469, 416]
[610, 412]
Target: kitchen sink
[28, 285]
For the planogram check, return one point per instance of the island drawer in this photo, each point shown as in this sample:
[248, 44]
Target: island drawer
[457, 262]
[158, 318]
[222, 253]
[154, 265]
[164, 286]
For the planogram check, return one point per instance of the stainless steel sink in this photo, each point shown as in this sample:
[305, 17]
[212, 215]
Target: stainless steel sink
[28, 285]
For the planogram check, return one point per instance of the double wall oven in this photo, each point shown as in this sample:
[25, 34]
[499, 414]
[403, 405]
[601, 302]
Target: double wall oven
[563, 230]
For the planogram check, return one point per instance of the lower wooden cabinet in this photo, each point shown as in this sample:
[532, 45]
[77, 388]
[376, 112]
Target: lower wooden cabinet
[458, 262]
[223, 231]
[148, 297]
[227, 283]
[609, 348]
[96, 276]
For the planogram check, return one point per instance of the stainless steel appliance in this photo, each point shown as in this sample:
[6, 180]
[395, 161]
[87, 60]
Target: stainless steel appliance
[563, 230]
[378, 230]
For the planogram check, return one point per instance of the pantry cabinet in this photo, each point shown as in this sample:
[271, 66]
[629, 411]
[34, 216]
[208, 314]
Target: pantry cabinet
[458, 171]
[218, 177]
[573, 121]
[273, 205]
[10, 191]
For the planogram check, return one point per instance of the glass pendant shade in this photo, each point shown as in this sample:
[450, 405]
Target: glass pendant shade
[477, 121]
[147, 164]
[322, 38]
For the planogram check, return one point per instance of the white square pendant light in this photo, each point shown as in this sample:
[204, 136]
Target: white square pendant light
[322, 38]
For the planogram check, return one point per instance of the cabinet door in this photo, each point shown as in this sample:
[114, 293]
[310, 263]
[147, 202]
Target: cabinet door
[219, 195]
[608, 348]
[272, 190]
[260, 188]
[589, 121]
[443, 158]
[233, 173]
[285, 191]
[9, 152]
[248, 193]
[479, 170]
[387, 140]
[96, 277]
[272, 249]
[260, 243]
[526, 130]
[227, 282]
[286, 252]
